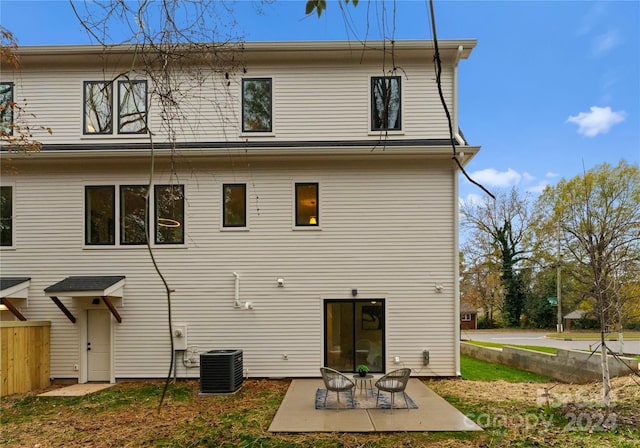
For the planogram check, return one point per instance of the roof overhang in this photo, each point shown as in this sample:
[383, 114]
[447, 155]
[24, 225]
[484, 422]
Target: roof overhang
[91, 286]
[14, 288]
[254, 52]
[432, 148]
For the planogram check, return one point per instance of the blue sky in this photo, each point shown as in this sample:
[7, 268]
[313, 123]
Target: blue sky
[552, 88]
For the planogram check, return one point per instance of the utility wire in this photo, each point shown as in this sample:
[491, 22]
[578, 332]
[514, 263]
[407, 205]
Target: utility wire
[438, 65]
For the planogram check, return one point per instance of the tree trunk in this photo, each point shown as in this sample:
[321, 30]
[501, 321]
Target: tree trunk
[606, 381]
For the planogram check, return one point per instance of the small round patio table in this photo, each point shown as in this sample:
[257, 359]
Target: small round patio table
[365, 382]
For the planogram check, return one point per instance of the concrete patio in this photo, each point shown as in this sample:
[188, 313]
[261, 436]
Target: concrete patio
[297, 413]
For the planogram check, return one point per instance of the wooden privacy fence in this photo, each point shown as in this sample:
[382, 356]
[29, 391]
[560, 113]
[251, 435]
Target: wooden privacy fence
[24, 356]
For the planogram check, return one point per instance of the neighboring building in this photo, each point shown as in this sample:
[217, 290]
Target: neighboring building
[468, 317]
[308, 215]
[572, 317]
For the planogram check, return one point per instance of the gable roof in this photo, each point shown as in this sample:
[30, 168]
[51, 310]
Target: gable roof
[15, 287]
[84, 286]
[467, 308]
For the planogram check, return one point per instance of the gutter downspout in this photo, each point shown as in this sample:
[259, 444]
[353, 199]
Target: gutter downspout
[456, 128]
[456, 221]
[236, 303]
[456, 273]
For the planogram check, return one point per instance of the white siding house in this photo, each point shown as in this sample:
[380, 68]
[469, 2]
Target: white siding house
[304, 234]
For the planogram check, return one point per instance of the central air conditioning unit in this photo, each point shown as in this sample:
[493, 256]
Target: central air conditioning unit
[220, 371]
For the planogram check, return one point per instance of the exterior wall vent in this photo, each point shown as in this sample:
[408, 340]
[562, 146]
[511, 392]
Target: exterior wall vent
[220, 371]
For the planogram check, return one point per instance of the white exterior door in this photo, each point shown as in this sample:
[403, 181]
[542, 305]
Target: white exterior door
[98, 345]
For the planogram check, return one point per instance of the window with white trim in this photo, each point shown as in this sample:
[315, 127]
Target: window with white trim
[99, 107]
[234, 205]
[307, 205]
[103, 209]
[386, 103]
[169, 213]
[257, 107]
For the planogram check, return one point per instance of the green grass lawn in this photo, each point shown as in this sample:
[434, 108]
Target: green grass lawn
[476, 370]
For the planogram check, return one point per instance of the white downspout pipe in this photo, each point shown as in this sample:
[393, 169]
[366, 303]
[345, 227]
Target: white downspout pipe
[457, 136]
[456, 220]
[236, 303]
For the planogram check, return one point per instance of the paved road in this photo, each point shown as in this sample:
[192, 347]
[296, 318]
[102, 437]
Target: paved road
[538, 338]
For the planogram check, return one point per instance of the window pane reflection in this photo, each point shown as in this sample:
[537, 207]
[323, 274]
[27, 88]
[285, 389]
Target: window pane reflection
[169, 207]
[133, 219]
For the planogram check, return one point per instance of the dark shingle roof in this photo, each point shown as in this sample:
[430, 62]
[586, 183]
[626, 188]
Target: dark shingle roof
[10, 282]
[84, 283]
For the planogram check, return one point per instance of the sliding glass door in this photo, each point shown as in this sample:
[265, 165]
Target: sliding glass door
[354, 334]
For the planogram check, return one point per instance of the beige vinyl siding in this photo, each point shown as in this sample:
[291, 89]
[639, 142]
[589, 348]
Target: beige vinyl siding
[386, 229]
[310, 102]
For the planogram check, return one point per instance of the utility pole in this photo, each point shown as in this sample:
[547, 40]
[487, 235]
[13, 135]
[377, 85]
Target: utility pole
[559, 285]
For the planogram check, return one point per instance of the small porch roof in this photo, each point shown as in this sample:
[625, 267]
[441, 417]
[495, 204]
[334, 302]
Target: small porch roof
[104, 286]
[14, 288]
[88, 286]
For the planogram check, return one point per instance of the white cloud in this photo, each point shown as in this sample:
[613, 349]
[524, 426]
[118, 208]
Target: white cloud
[471, 199]
[527, 177]
[598, 121]
[537, 189]
[605, 42]
[551, 174]
[495, 178]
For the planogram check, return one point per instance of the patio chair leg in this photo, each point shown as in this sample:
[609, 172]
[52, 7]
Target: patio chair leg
[326, 394]
[352, 403]
[377, 397]
[405, 399]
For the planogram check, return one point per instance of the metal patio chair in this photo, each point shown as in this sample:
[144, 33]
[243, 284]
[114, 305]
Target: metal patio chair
[394, 382]
[336, 382]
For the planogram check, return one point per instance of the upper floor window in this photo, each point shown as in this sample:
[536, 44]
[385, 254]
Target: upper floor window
[6, 216]
[385, 103]
[169, 211]
[307, 207]
[132, 99]
[6, 108]
[234, 200]
[256, 105]
[99, 107]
